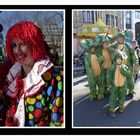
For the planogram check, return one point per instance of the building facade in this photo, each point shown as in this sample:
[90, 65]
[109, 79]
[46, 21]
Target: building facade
[132, 22]
[89, 17]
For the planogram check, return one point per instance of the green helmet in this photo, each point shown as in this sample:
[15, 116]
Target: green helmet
[92, 43]
[98, 39]
[111, 38]
[85, 43]
[88, 43]
[105, 39]
[119, 34]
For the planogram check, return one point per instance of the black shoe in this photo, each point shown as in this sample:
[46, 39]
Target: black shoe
[112, 114]
[120, 110]
[131, 95]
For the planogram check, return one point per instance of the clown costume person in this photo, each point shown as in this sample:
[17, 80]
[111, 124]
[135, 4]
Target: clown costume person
[117, 81]
[93, 67]
[35, 88]
[131, 60]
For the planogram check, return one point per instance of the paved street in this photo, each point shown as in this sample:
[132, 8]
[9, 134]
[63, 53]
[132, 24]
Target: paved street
[95, 113]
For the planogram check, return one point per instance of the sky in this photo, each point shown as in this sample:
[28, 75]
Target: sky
[8, 18]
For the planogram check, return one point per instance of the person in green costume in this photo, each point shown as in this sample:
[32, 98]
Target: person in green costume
[103, 50]
[116, 78]
[94, 72]
[131, 60]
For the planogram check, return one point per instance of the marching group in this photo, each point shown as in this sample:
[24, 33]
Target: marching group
[112, 66]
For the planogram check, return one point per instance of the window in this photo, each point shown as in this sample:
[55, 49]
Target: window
[128, 20]
[93, 19]
[86, 16]
[116, 21]
[107, 19]
[96, 15]
[137, 14]
[112, 20]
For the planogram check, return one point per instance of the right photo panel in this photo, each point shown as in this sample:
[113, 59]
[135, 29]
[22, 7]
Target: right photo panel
[106, 68]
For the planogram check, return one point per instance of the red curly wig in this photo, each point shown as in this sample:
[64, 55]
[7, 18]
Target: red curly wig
[30, 34]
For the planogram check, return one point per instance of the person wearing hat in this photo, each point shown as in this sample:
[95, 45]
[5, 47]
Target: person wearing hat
[117, 81]
[94, 72]
[34, 92]
[131, 60]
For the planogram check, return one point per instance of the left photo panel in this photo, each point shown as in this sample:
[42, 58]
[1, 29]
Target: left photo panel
[32, 68]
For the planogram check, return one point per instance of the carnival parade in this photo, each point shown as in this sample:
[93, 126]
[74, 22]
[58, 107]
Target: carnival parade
[111, 61]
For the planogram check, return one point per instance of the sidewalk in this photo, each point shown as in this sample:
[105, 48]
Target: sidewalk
[78, 71]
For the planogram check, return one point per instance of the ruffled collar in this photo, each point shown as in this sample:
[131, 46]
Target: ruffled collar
[32, 83]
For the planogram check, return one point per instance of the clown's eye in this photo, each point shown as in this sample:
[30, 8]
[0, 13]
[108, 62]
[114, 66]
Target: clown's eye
[13, 45]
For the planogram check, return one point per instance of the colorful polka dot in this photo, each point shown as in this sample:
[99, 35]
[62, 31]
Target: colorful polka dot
[38, 104]
[37, 113]
[49, 90]
[62, 118]
[54, 109]
[61, 110]
[48, 99]
[60, 85]
[47, 75]
[57, 93]
[55, 116]
[59, 102]
[52, 82]
[46, 117]
[31, 108]
[43, 101]
[31, 116]
[50, 106]
[45, 109]
[58, 78]
[54, 101]
[61, 73]
[52, 124]
[31, 123]
[57, 123]
[31, 101]
[39, 97]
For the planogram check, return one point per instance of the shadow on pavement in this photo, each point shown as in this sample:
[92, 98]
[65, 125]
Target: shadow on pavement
[95, 114]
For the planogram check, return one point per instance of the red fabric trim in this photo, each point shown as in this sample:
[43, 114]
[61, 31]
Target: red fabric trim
[40, 68]
[11, 75]
[8, 122]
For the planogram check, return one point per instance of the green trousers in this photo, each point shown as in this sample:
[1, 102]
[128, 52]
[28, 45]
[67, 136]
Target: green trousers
[96, 84]
[117, 97]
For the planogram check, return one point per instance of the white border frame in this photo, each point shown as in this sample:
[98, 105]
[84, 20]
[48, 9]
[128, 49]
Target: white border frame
[63, 10]
[72, 65]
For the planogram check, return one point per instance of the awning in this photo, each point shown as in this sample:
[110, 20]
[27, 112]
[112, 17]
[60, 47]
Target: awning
[90, 31]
